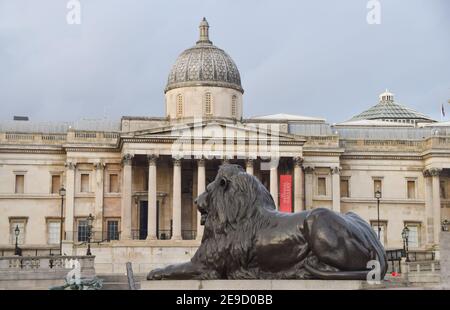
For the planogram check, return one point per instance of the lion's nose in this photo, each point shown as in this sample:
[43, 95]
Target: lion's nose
[196, 201]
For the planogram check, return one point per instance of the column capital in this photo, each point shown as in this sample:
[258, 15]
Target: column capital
[127, 159]
[298, 161]
[309, 169]
[177, 162]
[249, 162]
[152, 159]
[201, 162]
[335, 170]
[99, 165]
[432, 172]
[225, 160]
[70, 165]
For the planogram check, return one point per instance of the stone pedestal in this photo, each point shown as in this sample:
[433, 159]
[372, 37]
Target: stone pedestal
[254, 285]
[445, 259]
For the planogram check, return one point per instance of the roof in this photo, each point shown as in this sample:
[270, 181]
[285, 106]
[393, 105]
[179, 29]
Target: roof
[373, 123]
[288, 117]
[391, 110]
[60, 127]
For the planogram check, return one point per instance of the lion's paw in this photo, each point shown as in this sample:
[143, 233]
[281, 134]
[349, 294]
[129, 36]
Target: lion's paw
[156, 274]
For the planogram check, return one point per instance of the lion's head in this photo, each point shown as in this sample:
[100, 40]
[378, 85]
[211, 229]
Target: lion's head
[232, 197]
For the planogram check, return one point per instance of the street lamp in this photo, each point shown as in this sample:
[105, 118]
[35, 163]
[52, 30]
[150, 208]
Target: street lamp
[378, 197]
[90, 220]
[17, 250]
[405, 236]
[62, 193]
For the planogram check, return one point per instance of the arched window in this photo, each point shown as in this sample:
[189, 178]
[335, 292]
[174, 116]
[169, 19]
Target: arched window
[234, 106]
[179, 105]
[208, 103]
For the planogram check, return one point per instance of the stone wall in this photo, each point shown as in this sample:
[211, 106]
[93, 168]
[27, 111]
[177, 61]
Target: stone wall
[112, 257]
[445, 259]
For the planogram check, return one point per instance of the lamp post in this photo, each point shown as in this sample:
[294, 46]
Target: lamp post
[378, 196]
[90, 220]
[17, 233]
[405, 236]
[62, 193]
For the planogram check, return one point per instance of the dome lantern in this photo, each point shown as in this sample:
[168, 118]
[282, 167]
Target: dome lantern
[204, 32]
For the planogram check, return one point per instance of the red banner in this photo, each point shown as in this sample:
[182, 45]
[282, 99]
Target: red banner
[286, 193]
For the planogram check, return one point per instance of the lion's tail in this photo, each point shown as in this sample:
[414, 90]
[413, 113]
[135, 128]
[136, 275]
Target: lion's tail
[337, 275]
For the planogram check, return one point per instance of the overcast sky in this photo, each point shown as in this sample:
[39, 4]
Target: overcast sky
[313, 58]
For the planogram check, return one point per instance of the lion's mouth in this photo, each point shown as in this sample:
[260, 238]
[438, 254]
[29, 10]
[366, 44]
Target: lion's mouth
[203, 217]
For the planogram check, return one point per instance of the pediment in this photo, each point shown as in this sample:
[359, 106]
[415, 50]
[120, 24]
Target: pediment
[217, 129]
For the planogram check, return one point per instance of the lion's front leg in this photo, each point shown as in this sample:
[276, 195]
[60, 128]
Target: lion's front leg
[184, 271]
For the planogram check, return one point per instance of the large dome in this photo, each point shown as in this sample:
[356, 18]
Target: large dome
[204, 65]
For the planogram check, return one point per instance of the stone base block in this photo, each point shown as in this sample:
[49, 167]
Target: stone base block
[254, 285]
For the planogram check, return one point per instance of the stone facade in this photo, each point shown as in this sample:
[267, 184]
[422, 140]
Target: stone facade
[141, 193]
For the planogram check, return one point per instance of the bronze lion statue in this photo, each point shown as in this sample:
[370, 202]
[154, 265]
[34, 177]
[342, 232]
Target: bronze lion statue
[245, 237]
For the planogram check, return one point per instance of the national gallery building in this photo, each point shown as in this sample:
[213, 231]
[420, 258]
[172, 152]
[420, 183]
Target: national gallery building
[129, 186]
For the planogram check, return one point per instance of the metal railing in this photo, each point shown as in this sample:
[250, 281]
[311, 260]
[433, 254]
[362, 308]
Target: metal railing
[82, 236]
[137, 234]
[416, 256]
[31, 251]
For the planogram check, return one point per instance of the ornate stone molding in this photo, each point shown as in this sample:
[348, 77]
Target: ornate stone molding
[127, 159]
[70, 165]
[298, 161]
[152, 159]
[309, 169]
[99, 166]
[435, 172]
[335, 170]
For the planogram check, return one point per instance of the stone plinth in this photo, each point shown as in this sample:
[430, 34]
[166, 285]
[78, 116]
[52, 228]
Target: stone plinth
[445, 258]
[254, 285]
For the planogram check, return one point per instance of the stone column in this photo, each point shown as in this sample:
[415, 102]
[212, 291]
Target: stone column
[152, 199]
[125, 233]
[176, 197]
[98, 207]
[435, 172]
[249, 165]
[309, 187]
[429, 208]
[274, 184]
[336, 182]
[69, 201]
[201, 186]
[298, 185]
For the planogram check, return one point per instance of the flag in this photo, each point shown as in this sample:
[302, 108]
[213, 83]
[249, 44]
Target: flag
[442, 111]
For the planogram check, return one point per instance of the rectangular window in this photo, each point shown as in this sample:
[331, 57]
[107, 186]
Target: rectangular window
[383, 226]
[113, 183]
[321, 186]
[84, 183]
[344, 188]
[411, 189]
[19, 224]
[112, 230]
[443, 186]
[376, 186]
[56, 184]
[414, 235]
[53, 230]
[83, 231]
[20, 184]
